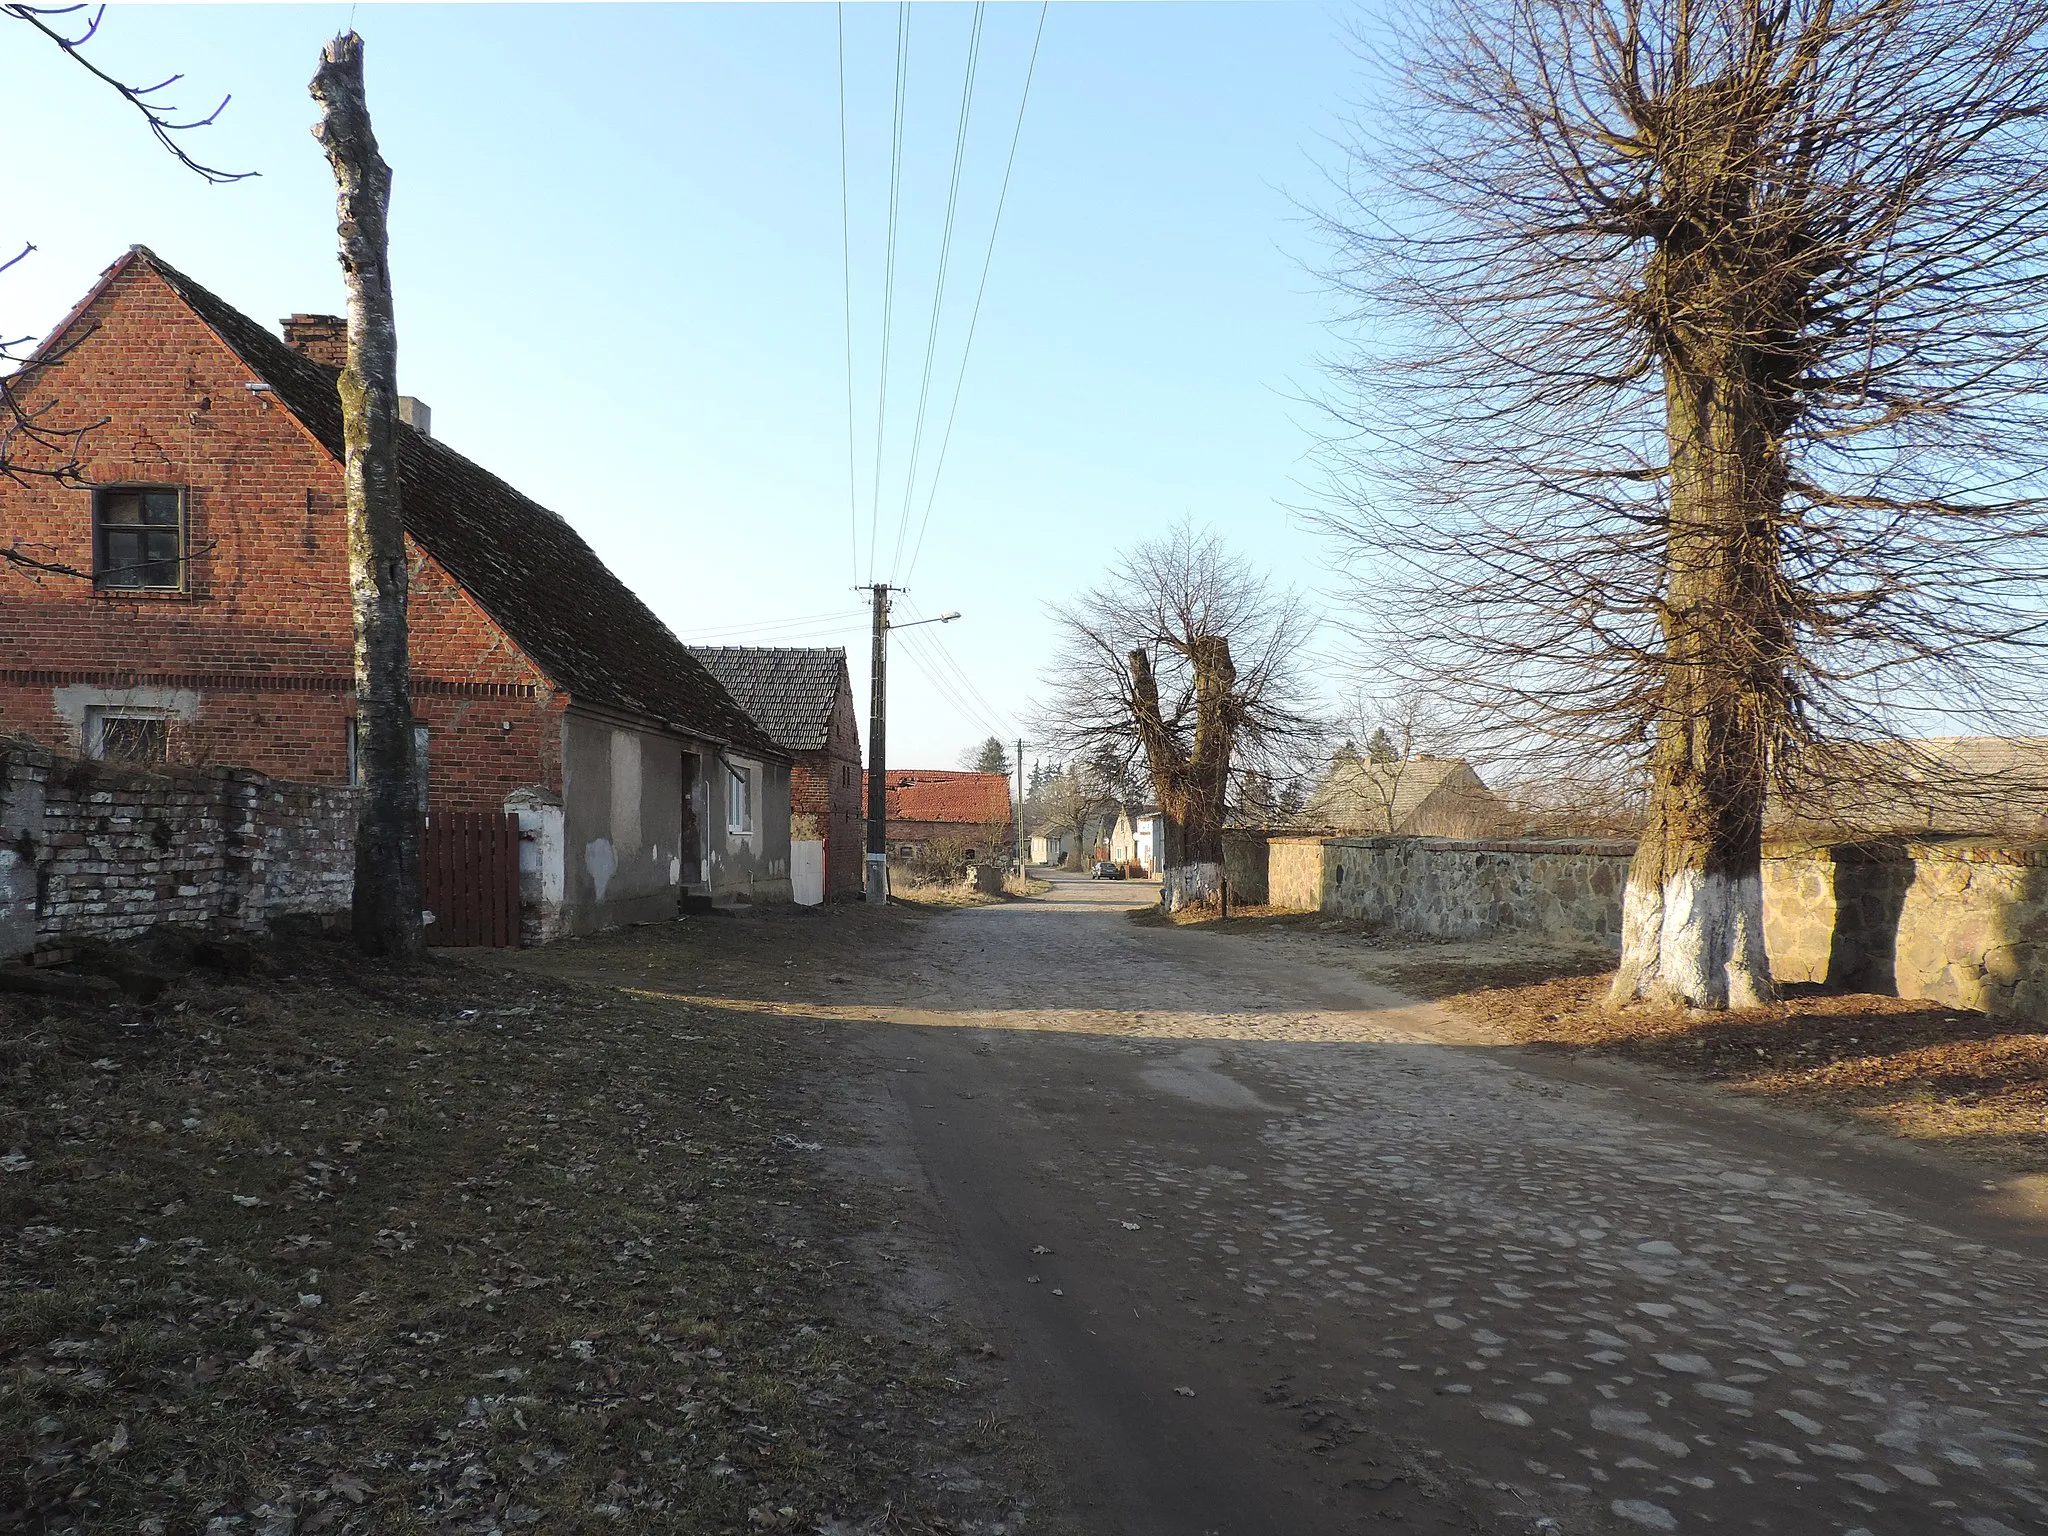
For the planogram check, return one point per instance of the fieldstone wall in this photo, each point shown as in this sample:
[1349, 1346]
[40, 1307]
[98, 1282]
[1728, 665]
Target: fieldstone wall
[92, 848]
[1960, 922]
[1433, 885]
[1957, 921]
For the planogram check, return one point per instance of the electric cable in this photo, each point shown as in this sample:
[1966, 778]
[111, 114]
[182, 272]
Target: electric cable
[981, 290]
[931, 339]
[889, 270]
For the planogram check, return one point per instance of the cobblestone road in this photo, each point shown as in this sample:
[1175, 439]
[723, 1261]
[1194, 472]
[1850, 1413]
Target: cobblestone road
[1296, 1257]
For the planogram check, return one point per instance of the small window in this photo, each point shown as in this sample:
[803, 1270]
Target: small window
[739, 800]
[907, 851]
[139, 538]
[141, 740]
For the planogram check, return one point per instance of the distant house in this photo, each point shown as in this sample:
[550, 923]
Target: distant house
[803, 698]
[1942, 784]
[1137, 837]
[209, 621]
[1419, 796]
[967, 812]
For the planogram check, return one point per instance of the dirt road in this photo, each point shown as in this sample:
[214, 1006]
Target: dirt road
[1278, 1253]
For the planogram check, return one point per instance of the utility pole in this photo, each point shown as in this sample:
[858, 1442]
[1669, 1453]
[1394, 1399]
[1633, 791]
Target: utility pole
[1017, 829]
[878, 739]
[878, 756]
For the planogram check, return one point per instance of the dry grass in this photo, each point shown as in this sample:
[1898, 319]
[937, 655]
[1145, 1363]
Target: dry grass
[466, 1249]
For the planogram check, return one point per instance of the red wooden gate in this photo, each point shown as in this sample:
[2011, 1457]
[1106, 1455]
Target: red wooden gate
[469, 877]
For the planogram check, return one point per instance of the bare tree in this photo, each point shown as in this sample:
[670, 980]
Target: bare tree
[38, 439]
[1397, 729]
[386, 912]
[1069, 801]
[1188, 661]
[1697, 420]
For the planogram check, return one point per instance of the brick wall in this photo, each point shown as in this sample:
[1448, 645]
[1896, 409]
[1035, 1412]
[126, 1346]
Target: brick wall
[252, 662]
[91, 848]
[824, 802]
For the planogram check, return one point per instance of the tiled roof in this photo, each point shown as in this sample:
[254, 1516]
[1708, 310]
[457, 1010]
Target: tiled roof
[523, 564]
[1937, 784]
[789, 690]
[1360, 796]
[934, 794]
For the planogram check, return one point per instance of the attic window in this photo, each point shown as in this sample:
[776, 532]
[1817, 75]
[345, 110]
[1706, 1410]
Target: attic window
[138, 538]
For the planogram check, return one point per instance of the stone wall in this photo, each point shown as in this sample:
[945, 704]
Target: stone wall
[92, 848]
[1431, 885]
[1956, 921]
[1960, 922]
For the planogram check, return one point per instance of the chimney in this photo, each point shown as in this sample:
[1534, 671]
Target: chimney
[323, 338]
[415, 413]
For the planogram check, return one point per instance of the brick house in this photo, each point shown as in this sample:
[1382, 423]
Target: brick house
[969, 812]
[803, 697]
[215, 624]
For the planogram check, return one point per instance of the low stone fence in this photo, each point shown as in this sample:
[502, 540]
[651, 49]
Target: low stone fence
[93, 848]
[1957, 921]
[1435, 885]
[1960, 922]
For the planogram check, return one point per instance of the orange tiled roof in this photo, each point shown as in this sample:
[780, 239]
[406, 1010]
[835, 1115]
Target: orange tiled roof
[936, 794]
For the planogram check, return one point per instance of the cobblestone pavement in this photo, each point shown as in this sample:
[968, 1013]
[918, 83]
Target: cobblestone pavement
[1286, 1254]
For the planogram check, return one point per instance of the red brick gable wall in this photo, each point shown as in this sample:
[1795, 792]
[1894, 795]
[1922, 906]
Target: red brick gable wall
[261, 637]
[825, 787]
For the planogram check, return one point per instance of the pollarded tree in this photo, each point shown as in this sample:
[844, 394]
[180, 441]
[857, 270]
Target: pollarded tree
[1696, 421]
[1188, 661]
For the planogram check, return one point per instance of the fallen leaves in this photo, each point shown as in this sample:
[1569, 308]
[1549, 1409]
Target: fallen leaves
[575, 1281]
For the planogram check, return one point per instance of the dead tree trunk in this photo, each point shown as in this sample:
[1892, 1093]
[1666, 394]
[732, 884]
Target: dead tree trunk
[386, 915]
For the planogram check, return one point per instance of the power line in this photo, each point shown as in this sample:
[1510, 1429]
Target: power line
[889, 268]
[988, 259]
[846, 293]
[914, 651]
[954, 677]
[959, 672]
[931, 339]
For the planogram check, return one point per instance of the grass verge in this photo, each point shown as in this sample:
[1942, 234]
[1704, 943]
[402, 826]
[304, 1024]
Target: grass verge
[461, 1249]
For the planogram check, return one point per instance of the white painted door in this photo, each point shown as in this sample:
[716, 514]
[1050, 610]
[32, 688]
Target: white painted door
[807, 871]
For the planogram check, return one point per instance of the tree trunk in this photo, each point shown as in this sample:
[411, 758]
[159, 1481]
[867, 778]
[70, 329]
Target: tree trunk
[386, 913]
[1692, 919]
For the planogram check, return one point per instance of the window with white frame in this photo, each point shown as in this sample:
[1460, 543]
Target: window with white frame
[739, 799]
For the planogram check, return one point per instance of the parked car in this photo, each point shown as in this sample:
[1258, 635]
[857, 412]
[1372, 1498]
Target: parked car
[1104, 870]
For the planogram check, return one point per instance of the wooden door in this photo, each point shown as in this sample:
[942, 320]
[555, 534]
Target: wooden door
[470, 878]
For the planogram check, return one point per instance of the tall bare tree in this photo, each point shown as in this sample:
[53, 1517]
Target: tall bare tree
[386, 913]
[1696, 421]
[39, 440]
[1188, 661]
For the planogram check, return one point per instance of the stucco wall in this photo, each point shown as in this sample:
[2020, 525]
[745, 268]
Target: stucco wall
[1958, 922]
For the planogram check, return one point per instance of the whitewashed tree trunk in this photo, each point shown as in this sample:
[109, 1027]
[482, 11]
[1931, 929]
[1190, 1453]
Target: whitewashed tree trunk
[386, 909]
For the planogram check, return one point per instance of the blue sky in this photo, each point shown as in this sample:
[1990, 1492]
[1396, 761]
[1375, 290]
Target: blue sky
[617, 252]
